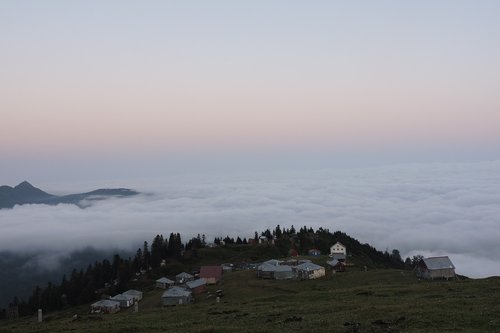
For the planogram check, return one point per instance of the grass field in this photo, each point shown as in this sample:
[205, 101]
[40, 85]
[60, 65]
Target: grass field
[380, 300]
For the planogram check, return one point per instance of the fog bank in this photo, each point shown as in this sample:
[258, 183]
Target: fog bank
[426, 208]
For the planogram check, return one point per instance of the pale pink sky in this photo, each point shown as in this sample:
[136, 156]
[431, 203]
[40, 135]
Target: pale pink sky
[172, 76]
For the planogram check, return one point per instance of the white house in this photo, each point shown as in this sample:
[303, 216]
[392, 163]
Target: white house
[338, 248]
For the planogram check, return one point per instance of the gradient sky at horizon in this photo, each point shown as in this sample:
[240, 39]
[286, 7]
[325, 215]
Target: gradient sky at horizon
[118, 77]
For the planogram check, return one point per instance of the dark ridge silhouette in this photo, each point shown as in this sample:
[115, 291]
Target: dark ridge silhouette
[25, 193]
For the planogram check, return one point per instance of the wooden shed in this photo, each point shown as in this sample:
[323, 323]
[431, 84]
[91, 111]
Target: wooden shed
[197, 286]
[435, 268]
[336, 265]
[176, 296]
[212, 274]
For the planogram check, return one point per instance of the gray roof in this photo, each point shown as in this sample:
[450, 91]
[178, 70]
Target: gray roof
[196, 283]
[184, 275]
[176, 292]
[265, 267]
[333, 262]
[273, 262]
[106, 302]
[283, 268]
[338, 255]
[132, 292]
[122, 297]
[164, 280]
[309, 266]
[438, 263]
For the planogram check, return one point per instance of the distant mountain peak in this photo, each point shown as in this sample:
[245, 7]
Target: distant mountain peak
[25, 193]
[24, 185]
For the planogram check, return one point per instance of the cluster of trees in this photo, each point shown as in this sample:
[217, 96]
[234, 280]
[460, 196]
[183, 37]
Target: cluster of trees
[306, 238]
[103, 277]
[113, 276]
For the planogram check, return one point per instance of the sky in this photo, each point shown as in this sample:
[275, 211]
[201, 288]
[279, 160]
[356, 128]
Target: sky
[93, 78]
[362, 115]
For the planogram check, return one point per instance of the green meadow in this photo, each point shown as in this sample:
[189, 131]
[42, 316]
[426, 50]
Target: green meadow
[376, 300]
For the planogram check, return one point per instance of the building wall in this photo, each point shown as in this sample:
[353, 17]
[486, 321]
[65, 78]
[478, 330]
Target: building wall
[336, 248]
[199, 290]
[175, 300]
[308, 275]
[105, 309]
[283, 275]
[442, 273]
[211, 280]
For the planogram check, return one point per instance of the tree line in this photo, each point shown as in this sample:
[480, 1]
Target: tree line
[113, 276]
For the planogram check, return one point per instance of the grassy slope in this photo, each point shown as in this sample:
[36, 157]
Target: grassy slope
[380, 300]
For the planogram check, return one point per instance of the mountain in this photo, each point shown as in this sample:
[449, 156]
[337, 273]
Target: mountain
[25, 193]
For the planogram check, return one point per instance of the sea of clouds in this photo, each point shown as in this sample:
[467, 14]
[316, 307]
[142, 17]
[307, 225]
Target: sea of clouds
[428, 208]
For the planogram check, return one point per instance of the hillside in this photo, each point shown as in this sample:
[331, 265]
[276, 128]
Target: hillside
[379, 300]
[25, 193]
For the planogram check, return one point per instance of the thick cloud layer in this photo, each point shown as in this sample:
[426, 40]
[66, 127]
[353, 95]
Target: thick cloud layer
[432, 209]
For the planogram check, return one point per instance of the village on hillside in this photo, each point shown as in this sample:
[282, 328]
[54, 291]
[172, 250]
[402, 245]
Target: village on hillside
[183, 288]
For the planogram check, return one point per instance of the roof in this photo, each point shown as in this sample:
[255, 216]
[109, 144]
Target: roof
[339, 243]
[184, 275]
[334, 262]
[272, 262]
[106, 302]
[132, 292]
[164, 280]
[196, 283]
[122, 297]
[314, 250]
[176, 292]
[211, 271]
[265, 267]
[282, 268]
[338, 255]
[438, 263]
[309, 266]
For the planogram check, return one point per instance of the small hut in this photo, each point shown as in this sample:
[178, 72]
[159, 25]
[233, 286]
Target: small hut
[126, 301]
[105, 306]
[164, 283]
[212, 274]
[183, 278]
[136, 294]
[197, 286]
[336, 265]
[309, 271]
[176, 296]
[436, 268]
